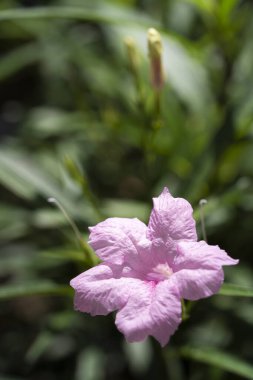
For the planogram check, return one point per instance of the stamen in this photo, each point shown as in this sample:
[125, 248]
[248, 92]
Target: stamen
[164, 270]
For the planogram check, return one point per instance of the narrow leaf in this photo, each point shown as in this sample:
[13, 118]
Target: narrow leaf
[18, 59]
[33, 289]
[235, 291]
[24, 177]
[219, 359]
[115, 15]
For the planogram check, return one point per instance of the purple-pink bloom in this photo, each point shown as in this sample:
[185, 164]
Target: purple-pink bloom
[147, 270]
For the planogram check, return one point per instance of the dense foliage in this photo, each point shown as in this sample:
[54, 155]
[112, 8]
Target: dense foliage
[81, 122]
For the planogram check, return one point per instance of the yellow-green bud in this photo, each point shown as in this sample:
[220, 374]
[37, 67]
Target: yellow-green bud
[132, 54]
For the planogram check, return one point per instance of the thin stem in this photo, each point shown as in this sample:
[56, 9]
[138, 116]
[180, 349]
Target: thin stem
[70, 221]
[185, 314]
[83, 245]
[202, 203]
[82, 181]
[158, 104]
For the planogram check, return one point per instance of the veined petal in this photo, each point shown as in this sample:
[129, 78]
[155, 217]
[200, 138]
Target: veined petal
[133, 320]
[115, 238]
[198, 269]
[158, 312]
[195, 284]
[98, 292]
[171, 218]
[200, 255]
[165, 311]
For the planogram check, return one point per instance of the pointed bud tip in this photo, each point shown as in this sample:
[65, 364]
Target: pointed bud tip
[165, 190]
[154, 42]
[152, 32]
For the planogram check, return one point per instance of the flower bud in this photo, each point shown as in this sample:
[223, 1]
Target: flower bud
[155, 55]
[132, 53]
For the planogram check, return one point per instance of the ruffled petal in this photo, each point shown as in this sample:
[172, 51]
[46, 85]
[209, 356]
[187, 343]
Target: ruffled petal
[200, 255]
[99, 292]
[198, 269]
[152, 310]
[115, 238]
[171, 219]
[201, 283]
[165, 311]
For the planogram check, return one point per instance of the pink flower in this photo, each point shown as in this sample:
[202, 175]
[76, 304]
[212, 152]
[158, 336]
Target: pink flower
[147, 270]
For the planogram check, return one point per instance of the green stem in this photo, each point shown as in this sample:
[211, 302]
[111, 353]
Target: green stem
[82, 181]
[82, 243]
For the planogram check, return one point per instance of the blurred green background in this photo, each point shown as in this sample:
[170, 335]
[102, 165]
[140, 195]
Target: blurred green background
[79, 123]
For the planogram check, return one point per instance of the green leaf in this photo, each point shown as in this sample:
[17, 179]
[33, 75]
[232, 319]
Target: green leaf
[64, 255]
[13, 222]
[39, 346]
[13, 182]
[185, 74]
[90, 364]
[226, 7]
[17, 59]
[220, 360]
[21, 167]
[235, 291]
[108, 14]
[203, 5]
[126, 209]
[34, 289]
[26, 178]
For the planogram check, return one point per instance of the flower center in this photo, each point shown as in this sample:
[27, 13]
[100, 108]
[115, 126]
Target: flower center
[160, 272]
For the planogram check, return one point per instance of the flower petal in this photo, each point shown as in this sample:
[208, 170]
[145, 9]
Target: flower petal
[196, 284]
[171, 218]
[165, 311]
[153, 310]
[198, 269]
[98, 292]
[200, 255]
[116, 237]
